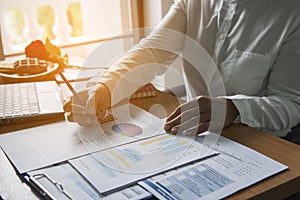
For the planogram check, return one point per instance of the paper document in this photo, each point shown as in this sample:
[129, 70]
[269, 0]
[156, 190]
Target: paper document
[74, 186]
[121, 166]
[11, 186]
[235, 168]
[41, 146]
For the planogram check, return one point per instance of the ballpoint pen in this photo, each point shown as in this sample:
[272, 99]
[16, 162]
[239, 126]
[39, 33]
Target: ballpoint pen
[76, 95]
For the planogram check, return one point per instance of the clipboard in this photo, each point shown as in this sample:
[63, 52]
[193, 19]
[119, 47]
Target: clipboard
[47, 187]
[43, 192]
[58, 182]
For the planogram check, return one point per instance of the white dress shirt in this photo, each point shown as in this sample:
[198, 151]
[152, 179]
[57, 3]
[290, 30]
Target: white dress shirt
[255, 45]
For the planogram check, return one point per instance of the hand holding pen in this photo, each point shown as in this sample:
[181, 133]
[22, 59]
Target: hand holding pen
[87, 106]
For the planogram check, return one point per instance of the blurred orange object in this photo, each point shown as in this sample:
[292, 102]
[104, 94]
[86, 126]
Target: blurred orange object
[47, 51]
[36, 49]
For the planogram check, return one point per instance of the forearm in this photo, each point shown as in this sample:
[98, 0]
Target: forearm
[149, 58]
[129, 73]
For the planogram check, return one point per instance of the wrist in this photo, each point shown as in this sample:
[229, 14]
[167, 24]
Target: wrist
[232, 110]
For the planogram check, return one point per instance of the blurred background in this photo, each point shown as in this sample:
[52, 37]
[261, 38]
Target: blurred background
[77, 27]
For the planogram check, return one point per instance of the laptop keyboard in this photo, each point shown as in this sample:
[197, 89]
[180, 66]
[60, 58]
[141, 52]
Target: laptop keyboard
[18, 100]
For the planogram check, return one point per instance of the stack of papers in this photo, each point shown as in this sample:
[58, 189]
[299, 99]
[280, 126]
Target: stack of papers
[133, 158]
[236, 167]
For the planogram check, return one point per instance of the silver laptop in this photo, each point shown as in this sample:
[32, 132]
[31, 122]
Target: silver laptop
[22, 102]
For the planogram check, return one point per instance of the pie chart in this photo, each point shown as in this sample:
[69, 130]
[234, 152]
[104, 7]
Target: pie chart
[127, 129]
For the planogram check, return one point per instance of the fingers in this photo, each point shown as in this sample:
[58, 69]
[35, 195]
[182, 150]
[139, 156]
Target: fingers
[82, 120]
[191, 126]
[68, 104]
[183, 107]
[198, 109]
[173, 119]
[191, 130]
[97, 101]
[180, 127]
[185, 116]
[202, 127]
[208, 114]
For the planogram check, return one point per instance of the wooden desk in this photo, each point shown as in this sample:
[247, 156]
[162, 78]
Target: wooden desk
[276, 187]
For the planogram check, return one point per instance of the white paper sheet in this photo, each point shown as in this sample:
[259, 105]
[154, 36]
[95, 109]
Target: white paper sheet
[52, 143]
[118, 167]
[235, 168]
[11, 186]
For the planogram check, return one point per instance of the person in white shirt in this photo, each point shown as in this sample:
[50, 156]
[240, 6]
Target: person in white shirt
[254, 44]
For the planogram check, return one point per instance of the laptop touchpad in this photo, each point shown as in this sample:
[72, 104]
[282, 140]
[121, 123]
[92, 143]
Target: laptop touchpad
[50, 102]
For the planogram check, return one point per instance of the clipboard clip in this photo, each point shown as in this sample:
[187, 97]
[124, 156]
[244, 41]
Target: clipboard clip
[34, 180]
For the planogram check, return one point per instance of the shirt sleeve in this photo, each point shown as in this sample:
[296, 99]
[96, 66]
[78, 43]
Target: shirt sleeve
[279, 110]
[149, 58]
